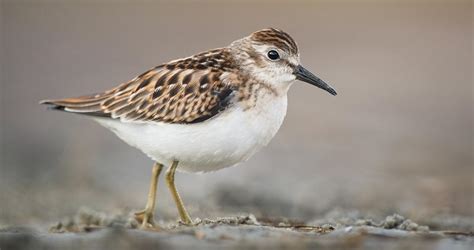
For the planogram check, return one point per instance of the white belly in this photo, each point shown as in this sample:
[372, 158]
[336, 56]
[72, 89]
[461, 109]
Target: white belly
[231, 137]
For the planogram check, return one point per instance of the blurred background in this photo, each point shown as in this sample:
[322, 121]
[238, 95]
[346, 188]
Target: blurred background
[397, 138]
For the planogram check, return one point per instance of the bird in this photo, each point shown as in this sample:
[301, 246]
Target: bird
[201, 113]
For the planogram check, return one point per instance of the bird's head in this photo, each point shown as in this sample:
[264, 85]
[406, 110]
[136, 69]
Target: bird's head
[271, 55]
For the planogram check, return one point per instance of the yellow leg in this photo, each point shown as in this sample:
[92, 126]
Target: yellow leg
[145, 217]
[177, 199]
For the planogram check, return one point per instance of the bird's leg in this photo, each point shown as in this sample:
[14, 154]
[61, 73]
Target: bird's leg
[145, 217]
[177, 199]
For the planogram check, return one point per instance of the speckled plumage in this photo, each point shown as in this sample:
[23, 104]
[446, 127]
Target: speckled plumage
[187, 90]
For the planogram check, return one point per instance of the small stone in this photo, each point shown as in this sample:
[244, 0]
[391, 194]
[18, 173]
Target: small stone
[392, 221]
[408, 225]
[252, 220]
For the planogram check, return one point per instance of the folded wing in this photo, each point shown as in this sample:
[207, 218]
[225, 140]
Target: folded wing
[162, 94]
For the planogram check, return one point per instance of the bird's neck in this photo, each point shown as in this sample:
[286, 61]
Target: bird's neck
[253, 93]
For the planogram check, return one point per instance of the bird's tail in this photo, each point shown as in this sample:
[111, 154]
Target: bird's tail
[86, 105]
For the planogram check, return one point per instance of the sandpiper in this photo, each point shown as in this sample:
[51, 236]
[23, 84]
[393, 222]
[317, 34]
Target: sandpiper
[204, 112]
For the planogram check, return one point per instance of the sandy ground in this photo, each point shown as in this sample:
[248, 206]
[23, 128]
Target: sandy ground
[90, 229]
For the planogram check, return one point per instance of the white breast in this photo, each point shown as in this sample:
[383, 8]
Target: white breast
[231, 137]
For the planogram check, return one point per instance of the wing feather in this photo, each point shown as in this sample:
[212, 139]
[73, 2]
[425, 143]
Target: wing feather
[163, 94]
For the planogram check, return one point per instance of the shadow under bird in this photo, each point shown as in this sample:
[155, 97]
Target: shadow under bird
[201, 113]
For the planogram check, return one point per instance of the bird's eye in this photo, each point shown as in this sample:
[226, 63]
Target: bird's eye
[273, 55]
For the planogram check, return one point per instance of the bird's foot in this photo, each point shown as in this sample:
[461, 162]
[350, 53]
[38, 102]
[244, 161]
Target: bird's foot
[145, 219]
[188, 222]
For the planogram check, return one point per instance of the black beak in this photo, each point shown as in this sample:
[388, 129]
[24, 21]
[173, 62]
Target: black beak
[304, 75]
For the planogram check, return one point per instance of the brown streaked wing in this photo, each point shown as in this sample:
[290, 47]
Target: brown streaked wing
[162, 94]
